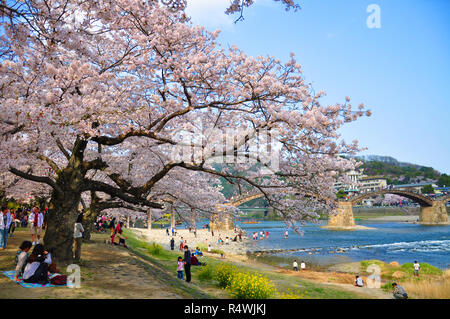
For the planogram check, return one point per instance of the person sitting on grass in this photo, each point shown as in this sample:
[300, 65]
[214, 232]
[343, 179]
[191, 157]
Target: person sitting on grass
[21, 258]
[359, 282]
[198, 252]
[119, 239]
[399, 292]
[37, 268]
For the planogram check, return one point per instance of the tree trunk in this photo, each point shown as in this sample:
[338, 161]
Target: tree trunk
[90, 215]
[63, 211]
[149, 218]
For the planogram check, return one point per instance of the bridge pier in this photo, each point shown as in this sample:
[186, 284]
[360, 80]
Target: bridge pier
[434, 215]
[221, 221]
[344, 216]
[172, 217]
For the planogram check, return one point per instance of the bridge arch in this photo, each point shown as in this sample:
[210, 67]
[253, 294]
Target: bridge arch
[418, 198]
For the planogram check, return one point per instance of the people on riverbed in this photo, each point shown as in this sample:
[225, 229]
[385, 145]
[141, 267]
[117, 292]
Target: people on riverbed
[181, 244]
[416, 269]
[172, 244]
[295, 265]
[302, 265]
[21, 258]
[399, 292]
[359, 282]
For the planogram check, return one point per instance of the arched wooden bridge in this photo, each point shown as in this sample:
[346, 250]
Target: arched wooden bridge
[432, 212]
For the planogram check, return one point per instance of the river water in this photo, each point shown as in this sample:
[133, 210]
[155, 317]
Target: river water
[389, 241]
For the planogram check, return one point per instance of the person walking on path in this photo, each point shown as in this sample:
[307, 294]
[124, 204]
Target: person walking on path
[5, 222]
[187, 263]
[416, 269]
[172, 244]
[78, 237]
[295, 265]
[302, 265]
[36, 220]
[399, 292]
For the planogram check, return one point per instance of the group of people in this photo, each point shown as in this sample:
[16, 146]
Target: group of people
[190, 259]
[10, 219]
[295, 265]
[37, 266]
[262, 235]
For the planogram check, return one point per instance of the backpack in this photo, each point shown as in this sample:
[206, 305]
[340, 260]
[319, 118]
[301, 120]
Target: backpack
[59, 280]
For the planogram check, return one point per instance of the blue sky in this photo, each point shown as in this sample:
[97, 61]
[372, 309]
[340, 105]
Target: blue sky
[400, 71]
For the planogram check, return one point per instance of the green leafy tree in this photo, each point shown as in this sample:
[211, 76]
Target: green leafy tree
[427, 189]
[341, 194]
[444, 180]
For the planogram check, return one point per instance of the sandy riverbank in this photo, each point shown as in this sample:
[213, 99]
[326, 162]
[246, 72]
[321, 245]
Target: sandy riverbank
[406, 218]
[203, 238]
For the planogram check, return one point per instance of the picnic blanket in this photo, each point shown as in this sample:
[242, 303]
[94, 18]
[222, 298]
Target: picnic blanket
[10, 274]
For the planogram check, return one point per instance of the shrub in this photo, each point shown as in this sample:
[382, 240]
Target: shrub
[251, 286]
[424, 269]
[217, 251]
[367, 263]
[206, 273]
[155, 249]
[224, 274]
[292, 295]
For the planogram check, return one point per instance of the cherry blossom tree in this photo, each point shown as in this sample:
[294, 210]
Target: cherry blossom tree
[100, 91]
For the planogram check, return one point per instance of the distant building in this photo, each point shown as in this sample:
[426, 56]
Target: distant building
[360, 183]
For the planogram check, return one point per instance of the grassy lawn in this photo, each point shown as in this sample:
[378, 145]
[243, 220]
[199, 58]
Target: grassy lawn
[283, 282]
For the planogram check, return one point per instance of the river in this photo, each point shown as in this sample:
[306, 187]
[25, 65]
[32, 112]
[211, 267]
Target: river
[389, 241]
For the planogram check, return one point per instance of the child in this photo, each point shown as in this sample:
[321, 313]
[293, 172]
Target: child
[21, 258]
[180, 268]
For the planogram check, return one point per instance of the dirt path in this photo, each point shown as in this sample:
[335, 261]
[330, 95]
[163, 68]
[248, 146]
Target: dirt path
[106, 272]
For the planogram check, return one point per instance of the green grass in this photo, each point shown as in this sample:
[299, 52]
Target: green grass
[203, 278]
[407, 269]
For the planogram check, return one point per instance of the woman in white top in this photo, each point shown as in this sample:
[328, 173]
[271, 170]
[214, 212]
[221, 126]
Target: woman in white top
[78, 236]
[36, 270]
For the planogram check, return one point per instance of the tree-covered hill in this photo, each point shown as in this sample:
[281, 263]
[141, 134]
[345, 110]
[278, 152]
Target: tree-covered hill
[397, 172]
